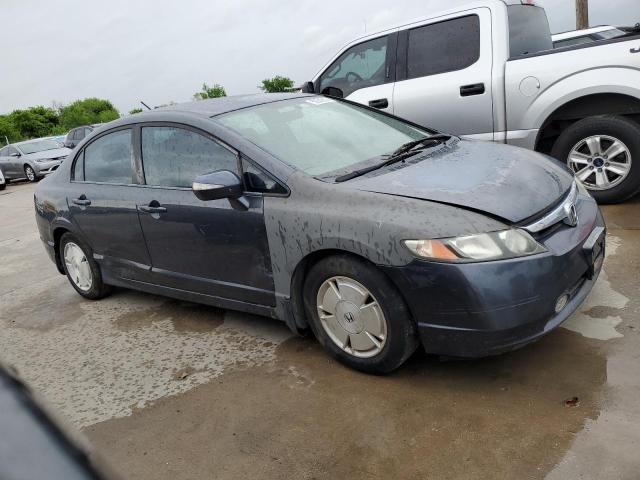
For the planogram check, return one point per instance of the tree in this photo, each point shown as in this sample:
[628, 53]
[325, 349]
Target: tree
[135, 110]
[34, 122]
[87, 112]
[8, 130]
[276, 84]
[210, 92]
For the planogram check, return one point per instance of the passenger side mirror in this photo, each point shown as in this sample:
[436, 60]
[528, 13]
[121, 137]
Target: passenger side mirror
[308, 87]
[70, 145]
[217, 185]
[15, 154]
[333, 92]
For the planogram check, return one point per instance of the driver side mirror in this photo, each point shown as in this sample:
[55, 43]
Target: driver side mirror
[308, 87]
[217, 185]
[15, 154]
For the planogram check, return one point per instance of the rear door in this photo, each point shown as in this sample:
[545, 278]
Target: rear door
[363, 73]
[4, 161]
[14, 162]
[444, 74]
[102, 198]
[214, 247]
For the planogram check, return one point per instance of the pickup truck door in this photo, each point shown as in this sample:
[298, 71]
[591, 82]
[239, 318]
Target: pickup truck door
[363, 73]
[444, 74]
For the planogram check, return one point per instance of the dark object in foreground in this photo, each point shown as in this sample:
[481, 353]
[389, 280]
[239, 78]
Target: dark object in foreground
[32, 444]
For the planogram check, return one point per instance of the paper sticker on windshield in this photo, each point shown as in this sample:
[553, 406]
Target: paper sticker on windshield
[319, 100]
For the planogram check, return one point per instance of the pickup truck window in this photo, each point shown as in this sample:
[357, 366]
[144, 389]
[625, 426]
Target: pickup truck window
[443, 47]
[528, 30]
[363, 65]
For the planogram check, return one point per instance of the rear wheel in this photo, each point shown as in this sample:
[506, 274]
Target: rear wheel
[30, 173]
[358, 315]
[604, 154]
[82, 270]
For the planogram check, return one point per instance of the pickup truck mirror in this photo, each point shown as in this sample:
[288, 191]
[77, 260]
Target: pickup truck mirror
[333, 92]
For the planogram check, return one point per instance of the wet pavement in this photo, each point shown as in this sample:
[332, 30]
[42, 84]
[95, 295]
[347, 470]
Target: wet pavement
[168, 389]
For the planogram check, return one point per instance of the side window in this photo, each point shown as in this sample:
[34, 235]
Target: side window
[255, 180]
[87, 131]
[363, 65]
[174, 157]
[78, 168]
[80, 134]
[4, 152]
[75, 134]
[12, 151]
[108, 159]
[443, 47]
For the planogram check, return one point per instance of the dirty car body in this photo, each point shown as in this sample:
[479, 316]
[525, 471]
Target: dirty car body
[298, 204]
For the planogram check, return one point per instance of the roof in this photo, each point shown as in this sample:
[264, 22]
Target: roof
[217, 106]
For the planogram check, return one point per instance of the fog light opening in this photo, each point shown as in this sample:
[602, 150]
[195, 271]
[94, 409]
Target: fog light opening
[561, 302]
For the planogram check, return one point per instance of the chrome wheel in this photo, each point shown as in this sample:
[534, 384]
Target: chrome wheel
[78, 267]
[31, 175]
[600, 162]
[351, 317]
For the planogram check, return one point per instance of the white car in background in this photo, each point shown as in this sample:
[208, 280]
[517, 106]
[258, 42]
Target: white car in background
[588, 35]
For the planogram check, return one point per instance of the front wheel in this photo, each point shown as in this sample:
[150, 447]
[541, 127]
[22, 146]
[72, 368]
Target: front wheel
[358, 315]
[604, 154]
[30, 173]
[82, 270]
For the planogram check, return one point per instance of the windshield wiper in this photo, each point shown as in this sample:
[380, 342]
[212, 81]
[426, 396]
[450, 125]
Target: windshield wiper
[402, 153]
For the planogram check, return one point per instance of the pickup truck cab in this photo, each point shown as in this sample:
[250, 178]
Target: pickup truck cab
[489, 71]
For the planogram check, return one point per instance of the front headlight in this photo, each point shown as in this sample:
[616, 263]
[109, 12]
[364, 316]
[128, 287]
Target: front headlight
[479, 247]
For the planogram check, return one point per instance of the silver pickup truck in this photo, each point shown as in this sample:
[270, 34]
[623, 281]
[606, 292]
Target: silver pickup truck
[489, 71]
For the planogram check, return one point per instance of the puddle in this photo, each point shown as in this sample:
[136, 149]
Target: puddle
[184, 316]
[306, 416]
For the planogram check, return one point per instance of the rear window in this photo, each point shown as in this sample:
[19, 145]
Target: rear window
[529, 30]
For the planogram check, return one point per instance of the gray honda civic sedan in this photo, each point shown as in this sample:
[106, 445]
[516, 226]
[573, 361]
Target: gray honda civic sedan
[375, 233]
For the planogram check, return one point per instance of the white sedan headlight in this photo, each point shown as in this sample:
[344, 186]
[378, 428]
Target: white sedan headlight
[479, 247]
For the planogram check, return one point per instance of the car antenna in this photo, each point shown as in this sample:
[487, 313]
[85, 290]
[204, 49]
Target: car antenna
[148, 107]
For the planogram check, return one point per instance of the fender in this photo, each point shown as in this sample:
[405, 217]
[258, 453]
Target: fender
[621, 80]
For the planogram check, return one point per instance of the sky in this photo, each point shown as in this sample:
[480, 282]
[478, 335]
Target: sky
[160, 51]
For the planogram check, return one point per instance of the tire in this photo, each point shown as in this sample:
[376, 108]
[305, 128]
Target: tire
[3, 186]
[96, 289]
[624, 182]
[30, 173]
[346, 340]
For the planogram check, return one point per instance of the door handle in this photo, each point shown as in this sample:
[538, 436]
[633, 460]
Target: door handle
[82, 201]
[379, 103]
[149, 209]
[469, 90]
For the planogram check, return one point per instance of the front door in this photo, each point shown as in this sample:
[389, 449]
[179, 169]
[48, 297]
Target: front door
[102, 198]
[444, 75]
[363, 73]
[210, 247]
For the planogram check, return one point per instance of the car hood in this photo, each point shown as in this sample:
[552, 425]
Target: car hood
[503, 181]
[55, 153]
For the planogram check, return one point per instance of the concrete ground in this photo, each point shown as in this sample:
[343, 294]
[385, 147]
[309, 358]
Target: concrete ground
[168, 389]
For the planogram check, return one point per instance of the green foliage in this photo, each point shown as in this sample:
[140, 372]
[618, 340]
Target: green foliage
[135, 110]
[276, 84]
[210, 92]
[34, 122]
[87, 112]
[9, 130]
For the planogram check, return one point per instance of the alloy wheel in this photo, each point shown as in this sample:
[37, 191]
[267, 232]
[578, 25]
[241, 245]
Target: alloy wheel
[78, 267]
[31, 175]
[600, 162]
[352, 317]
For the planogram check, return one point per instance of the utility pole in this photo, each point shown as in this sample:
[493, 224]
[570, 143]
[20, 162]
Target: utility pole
[582, 14]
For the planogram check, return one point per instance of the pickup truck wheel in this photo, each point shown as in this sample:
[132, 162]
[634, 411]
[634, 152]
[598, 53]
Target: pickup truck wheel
[604, 154]
[358, 315]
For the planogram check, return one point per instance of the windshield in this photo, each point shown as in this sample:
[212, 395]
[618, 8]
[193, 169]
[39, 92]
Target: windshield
[38, 146]
[319, 135]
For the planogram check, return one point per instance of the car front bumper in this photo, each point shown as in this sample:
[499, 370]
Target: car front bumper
[485, 308]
